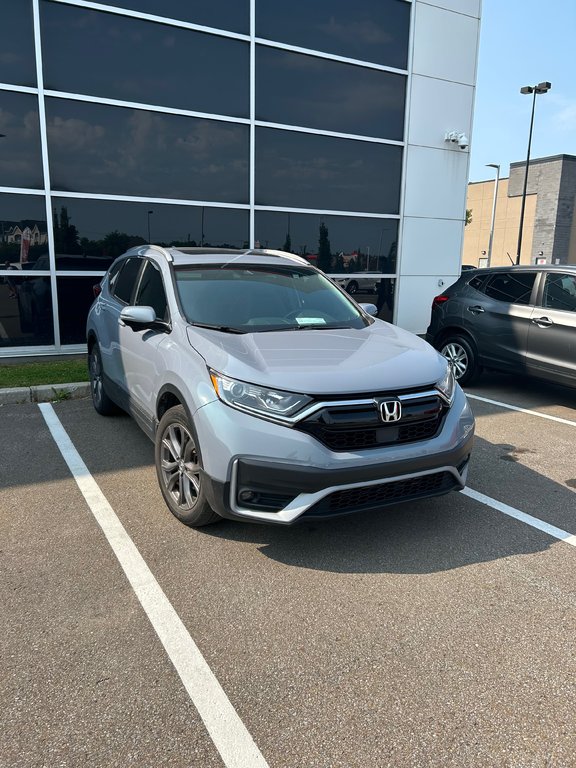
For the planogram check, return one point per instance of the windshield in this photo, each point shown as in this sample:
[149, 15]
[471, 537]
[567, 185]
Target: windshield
[250, 299]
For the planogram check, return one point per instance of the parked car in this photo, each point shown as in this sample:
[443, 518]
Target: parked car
[356, 283]
[270, 395]
[518, 319]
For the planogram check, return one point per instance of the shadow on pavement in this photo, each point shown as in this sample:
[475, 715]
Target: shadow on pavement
[427, 536]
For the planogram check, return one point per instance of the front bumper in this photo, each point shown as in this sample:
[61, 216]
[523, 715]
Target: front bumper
[274, 474]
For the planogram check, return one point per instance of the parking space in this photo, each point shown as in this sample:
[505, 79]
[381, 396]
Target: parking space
[436, 633]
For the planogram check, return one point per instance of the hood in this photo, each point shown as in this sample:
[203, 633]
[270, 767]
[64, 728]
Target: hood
[375, 358]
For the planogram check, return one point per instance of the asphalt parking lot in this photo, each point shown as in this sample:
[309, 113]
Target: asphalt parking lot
[435, 634]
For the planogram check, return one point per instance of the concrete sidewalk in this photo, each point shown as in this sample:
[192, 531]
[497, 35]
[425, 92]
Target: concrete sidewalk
[44, 393]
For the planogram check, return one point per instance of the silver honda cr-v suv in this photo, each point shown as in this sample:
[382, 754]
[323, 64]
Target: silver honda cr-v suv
[271, 395]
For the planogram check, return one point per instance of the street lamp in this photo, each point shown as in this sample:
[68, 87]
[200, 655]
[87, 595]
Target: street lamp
[534, 89]
[493, 165]
[149, 214]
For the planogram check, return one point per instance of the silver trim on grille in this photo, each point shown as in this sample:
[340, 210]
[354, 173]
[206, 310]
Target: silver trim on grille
[305, 501]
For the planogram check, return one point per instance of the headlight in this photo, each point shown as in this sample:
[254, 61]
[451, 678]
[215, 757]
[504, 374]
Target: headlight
[261, 401]
[447, 385]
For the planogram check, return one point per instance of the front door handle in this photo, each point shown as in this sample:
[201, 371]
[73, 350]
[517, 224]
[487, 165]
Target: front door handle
[476, 310]
[542, 322]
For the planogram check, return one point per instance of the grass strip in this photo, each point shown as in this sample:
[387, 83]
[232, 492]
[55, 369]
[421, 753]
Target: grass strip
[32, 374]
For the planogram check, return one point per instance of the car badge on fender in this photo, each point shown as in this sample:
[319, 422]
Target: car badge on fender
[391, 410]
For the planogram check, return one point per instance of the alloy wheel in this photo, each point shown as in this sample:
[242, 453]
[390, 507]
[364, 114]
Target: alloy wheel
[457, 358]
[180, 469]
[96, 375]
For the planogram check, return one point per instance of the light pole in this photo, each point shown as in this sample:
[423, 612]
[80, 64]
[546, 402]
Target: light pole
[149, 214]
[534, 89]
[493, 165]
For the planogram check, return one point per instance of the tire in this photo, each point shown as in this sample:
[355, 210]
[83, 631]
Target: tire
[102, 403]
[352, 287]
[463, 358]
[179, 469]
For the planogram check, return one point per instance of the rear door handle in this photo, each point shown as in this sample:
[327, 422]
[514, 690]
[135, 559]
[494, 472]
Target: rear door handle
[543, 322]
[476, 310]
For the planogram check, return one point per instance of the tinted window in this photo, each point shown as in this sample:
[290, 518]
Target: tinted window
[75, 297]
[25, 310]
[336, 244]
[17, 60]
[20, 157]
[370, 30]
[560, 292]
[190, 70]
[512, 287]
[225, 14]
[477, 282]
[317, 93]
[97, 148]
[384, 299]
[126, 281]
[19, 213]
[305, 171]
[258, 298]
[90, 234]
[151, 291]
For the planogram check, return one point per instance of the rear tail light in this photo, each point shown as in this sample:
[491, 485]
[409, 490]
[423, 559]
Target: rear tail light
[437, 301]
[97, 290]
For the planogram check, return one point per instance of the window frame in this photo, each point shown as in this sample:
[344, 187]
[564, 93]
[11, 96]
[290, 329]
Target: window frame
[166, 320]
[541, 293]
[136, 281]
[533, 291]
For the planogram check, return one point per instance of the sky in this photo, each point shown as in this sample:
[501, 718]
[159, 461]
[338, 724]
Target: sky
[524, 42]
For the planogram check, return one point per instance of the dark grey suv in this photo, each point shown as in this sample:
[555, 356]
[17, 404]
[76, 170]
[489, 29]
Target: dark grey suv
[516, 319]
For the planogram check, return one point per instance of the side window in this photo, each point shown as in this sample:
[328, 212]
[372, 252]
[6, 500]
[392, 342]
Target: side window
[126, 280]
[560, 292]
[512, 287]
[151, 292]
[113, 274]
[477, 282]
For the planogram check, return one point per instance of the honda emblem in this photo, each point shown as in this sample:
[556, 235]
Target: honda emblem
[391, 410]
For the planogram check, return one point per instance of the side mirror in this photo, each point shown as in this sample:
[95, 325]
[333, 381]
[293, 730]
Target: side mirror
[138, 318]
[370, 309]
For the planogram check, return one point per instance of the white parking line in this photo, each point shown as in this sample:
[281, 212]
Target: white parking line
[522, 410]
[229, 734]
[535, 522]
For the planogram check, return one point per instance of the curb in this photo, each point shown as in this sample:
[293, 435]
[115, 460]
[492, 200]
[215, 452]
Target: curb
[45, 393]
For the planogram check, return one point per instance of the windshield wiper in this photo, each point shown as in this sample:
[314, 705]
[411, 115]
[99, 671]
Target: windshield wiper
[223, 328]
[305, 327]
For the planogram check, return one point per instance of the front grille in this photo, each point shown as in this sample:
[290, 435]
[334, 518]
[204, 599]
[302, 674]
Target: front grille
[358, 499]
[349, 428]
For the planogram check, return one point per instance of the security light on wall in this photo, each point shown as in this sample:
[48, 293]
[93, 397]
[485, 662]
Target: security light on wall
[457, 137]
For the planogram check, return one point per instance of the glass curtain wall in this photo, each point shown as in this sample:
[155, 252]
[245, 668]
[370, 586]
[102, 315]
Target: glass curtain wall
[238, 123]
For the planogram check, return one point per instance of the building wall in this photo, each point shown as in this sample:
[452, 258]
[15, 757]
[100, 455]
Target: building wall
[444, 60]
[505, 241]
[550, 212]
[305, 126]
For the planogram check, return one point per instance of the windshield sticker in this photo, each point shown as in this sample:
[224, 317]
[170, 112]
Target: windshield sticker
[310, 321]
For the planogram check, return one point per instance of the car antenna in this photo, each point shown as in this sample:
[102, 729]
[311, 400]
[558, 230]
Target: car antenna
[511, 259]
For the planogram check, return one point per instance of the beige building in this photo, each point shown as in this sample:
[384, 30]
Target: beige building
[549, 230]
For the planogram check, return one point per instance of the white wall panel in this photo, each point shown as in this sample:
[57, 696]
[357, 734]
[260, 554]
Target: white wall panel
[437, 107]
[445, 44]
[435, 185]
[430, 246]
[468, 7]
[415, 300]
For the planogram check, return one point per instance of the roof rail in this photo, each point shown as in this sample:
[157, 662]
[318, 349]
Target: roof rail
[274, 252]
